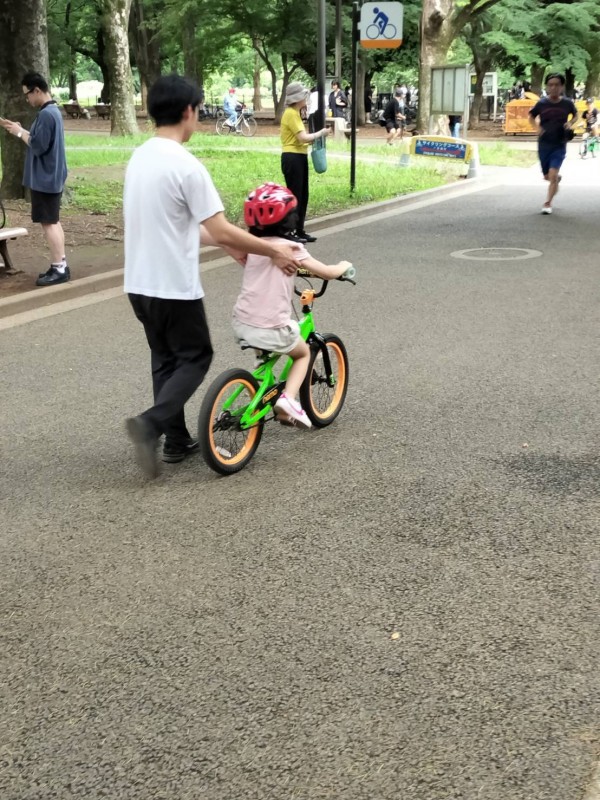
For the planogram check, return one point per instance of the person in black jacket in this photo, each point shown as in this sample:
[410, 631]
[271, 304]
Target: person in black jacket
[338, 102]
[394, 115]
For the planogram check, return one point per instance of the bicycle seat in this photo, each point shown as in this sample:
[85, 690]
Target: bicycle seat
[259, 352]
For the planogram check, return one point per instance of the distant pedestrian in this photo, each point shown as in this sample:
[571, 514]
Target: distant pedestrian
[45, 171]
[294, 156]
[313, 109]
[170, 204]
[368, 102]
[454, 121]
[554, 116]
[338, 102]
[394, 116]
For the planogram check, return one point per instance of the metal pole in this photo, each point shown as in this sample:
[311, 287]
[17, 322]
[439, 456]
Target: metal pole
[338, 40]
[354, 108]
[321, 49]
[467, 104]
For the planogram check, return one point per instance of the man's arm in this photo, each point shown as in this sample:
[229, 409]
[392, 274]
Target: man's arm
[535, 119]
[216, 230]
[572, 123]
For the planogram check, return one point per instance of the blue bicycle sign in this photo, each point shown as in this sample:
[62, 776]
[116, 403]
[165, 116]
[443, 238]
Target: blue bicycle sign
[381, 24]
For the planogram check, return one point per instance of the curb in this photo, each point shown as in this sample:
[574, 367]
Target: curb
[40, 298]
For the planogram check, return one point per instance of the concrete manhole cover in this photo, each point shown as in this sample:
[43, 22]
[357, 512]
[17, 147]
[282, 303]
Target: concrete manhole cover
[496, 254]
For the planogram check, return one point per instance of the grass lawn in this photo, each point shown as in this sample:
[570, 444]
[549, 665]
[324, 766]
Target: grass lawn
[236, 164]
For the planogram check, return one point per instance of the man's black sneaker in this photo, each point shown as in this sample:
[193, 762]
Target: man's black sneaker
[174, 452]
[307, 237]
[53, 277]
[43, 274]
[145, 441]
[294, 237]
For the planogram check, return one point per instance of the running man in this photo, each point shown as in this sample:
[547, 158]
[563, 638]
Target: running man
[553, 116]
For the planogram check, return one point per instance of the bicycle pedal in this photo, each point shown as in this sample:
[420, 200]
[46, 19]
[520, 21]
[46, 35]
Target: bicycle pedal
[287, 422]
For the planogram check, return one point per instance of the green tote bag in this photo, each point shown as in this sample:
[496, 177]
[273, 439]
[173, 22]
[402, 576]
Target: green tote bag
[319, 155]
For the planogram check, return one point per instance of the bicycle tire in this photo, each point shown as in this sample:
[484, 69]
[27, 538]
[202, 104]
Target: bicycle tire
[221, 128]
[225, 447]
[248, 126]
[321, 401]
[387, 31]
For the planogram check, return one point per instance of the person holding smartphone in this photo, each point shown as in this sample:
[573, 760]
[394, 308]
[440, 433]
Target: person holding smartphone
[45, 171]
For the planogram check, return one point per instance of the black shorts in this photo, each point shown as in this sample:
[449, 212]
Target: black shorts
[390, 126]
[45, 208]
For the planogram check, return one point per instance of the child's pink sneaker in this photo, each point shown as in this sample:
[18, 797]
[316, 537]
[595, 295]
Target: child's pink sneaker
[293, 411]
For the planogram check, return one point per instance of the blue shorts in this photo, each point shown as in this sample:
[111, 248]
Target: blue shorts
[551, 156]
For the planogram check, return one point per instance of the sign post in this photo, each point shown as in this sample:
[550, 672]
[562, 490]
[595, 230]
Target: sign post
[450, 92]
[380, 26]
[489, 88]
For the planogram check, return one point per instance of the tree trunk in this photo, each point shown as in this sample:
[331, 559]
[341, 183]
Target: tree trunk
[537, 77]
[100, 58]
[358, 92]
[437, 33]
[256, 100]
[189, 47]
[73, 85]
[146, 48]
[481, 67]
[570, 82]
[115, 24]
[287, 74]
[23, 47]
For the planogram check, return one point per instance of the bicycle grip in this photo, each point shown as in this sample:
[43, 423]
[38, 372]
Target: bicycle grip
[349, 274]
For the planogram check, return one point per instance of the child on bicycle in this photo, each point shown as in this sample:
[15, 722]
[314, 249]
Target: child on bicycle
[262, 314]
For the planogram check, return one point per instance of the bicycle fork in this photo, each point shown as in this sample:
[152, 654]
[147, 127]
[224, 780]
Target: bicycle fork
[319, 340]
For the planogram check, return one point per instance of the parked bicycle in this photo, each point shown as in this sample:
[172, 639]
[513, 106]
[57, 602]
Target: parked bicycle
[210, 111]
[238, 402]
[244, 123]
[588, 144]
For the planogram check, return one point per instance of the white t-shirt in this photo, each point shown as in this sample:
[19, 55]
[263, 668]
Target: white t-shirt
[167, 194]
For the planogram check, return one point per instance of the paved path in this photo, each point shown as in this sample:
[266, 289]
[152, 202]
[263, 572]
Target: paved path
[201, 637]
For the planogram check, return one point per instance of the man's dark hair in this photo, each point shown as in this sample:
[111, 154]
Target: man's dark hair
[335, 82]
[558, 75]
[169, 97]
[33, 80]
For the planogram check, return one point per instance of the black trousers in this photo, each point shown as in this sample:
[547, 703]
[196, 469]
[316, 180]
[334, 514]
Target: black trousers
[181, 352]
[295, 171]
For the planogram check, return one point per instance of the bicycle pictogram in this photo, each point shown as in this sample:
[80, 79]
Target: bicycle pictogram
[381, 26]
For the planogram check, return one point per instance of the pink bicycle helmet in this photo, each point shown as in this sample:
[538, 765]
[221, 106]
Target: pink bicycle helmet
[268, 205]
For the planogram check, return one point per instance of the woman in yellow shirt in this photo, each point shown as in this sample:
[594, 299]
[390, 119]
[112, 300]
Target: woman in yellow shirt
[294, 156]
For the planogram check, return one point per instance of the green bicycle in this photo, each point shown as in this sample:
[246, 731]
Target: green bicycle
[238, 402]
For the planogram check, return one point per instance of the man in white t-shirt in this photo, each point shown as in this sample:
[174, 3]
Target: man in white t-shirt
[170, 205]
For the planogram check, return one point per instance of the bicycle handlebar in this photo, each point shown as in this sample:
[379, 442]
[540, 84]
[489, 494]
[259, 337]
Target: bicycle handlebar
[346, 277]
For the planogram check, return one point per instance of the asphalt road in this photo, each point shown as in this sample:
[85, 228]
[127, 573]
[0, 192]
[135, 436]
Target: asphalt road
[227, 638]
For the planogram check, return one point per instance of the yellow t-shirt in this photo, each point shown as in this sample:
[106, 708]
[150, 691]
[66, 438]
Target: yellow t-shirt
[291, 126]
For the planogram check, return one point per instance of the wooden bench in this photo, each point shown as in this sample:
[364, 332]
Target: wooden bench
[102, 111]
[74, 110]
[7, 234]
